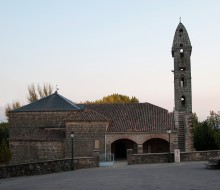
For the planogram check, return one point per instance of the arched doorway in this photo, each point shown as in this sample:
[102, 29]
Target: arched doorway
[156, 145]
[119, 148]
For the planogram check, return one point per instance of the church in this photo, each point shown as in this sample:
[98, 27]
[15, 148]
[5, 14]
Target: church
[42, 130]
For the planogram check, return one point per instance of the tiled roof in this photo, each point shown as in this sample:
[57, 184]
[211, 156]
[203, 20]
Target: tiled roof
[53, 134]
[53, 102]
[87, 115]
[134, 117]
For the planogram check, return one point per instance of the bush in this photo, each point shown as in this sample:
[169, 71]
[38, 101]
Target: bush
[5, 154]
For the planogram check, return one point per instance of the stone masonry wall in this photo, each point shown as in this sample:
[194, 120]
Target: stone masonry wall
[164, 157]
[88, 136]
[23, 122]
[32, 151]
[46, 167]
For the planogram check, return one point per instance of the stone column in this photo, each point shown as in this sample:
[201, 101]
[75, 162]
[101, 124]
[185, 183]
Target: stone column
[129, 156]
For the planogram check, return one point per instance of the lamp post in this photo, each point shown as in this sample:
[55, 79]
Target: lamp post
[72, 135]
[169, 132]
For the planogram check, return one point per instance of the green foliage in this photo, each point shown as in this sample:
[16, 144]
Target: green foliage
[207, 133]
[4, 134]
[115, 98]
[5, 154]
[204, 137]
[213, 120]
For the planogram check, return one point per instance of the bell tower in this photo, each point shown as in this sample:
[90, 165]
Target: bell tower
[181, 52]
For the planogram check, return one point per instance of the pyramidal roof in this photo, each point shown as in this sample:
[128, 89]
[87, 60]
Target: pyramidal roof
[53, 102]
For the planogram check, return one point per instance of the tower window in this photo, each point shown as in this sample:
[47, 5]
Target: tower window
[180, 30]
[182, 68]
[182, 82]
[183, 101]
[181, 52]
[181, 45]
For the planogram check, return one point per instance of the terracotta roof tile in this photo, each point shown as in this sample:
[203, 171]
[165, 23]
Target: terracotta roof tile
[87, 115]
[135, 117]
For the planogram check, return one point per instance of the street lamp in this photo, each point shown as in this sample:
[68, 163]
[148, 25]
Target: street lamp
[72, 135]
[169, 132]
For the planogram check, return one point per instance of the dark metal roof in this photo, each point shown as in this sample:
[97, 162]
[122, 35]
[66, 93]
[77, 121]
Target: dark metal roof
[53, 102]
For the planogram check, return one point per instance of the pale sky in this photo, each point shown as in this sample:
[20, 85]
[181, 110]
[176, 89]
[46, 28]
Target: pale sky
[94, 48]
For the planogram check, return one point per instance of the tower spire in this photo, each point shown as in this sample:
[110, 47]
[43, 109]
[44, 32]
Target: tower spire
[181, 52]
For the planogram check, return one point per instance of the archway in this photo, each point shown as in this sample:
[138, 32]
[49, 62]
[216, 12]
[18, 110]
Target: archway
[156, 145]
[119, 148]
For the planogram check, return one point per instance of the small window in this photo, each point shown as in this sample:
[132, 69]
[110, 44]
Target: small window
[180, 30]
[181, 45]
[183, 101]
[181, 52]
[182, 82]
[182, 68]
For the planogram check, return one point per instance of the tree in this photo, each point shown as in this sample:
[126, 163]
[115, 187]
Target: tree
[5, 154]
[115, 98]
[213, 120]
[9, 107]
[4, 133]
[204, 137]
[35, 93]
[207, 133]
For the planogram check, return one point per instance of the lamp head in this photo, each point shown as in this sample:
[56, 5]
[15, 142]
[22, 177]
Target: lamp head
[72, 134]
[168, 131]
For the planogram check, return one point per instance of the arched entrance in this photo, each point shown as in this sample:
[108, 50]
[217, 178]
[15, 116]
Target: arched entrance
[119, 148]
[156, 145]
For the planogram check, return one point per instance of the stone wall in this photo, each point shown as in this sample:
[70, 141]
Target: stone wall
[46, 167]
[164, 157]
[34, 151]
[24, 122]
[88, 136]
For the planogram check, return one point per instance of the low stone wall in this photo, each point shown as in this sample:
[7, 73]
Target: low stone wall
[46, 167]
[164, 157]
[199, 155]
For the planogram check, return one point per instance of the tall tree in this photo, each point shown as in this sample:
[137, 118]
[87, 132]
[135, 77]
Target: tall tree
[35, 93]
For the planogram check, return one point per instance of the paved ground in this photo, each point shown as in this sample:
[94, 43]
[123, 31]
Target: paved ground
[168, 176]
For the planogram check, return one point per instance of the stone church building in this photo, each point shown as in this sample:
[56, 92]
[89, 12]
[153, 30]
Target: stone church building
[42, 130]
